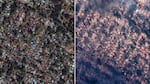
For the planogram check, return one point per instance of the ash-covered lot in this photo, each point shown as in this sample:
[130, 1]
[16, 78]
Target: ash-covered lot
[36, 41]
[113, 41]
